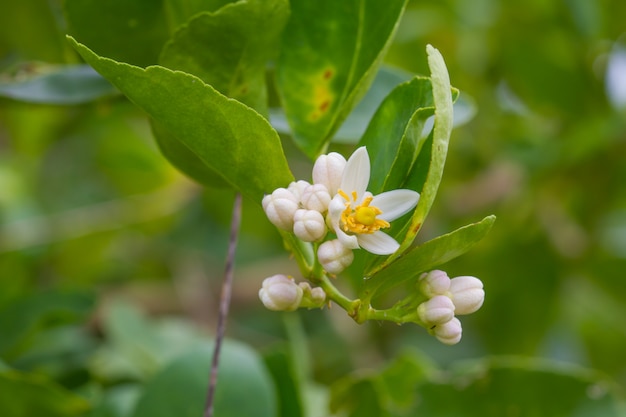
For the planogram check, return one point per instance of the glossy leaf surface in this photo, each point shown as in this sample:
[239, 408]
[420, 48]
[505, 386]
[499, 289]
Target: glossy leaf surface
[231, 139]
[330, 54]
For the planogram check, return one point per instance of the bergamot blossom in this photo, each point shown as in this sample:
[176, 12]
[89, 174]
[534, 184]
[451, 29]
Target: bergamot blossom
[328, 170]
[434, 283]
[448, 333]
[357, 216]
[315, 197]
[436, 311]
[467, 294]
[280, 293]
[309, 225]
[280, 207]
[334, 256]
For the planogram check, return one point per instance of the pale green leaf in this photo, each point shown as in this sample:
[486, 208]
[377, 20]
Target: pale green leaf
[230, 138]
[330, 53]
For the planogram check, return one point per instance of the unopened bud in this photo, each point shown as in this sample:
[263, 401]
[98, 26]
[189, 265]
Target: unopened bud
[312, 297]
[437, 310]
[297, 188]
[280, 293]
[316, 197]
[309, 225]
[328, 170]
[467, 294]
[280, 206]
[448, 333]
[434, 283]
[334, 256]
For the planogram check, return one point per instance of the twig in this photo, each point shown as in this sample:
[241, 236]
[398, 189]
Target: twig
[224, 303]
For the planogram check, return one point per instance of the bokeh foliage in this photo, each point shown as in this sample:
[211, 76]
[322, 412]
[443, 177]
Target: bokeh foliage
[92, 213]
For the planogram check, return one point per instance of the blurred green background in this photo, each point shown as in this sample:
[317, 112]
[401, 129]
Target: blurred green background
[91, 213]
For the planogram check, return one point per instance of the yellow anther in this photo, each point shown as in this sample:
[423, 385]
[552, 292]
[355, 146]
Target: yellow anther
[362, 218]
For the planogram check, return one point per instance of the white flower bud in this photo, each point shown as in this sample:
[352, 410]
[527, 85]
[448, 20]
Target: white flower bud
[297, 188]
[280, 293]
[467, 294]
[437, 310]
[334, 256]
[448, 333]
[309, 225]
[434, 283]
[312, 297]
[316, 197]
[328, 170]
[280, 206]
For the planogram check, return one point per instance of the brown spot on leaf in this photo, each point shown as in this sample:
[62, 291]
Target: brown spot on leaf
[324, 105]
[327, 74]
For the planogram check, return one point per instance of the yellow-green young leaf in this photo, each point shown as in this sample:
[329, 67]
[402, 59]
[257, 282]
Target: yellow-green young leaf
[330, 53]
[128, 31]
[426, 257]
[231, 139]
[229, 49]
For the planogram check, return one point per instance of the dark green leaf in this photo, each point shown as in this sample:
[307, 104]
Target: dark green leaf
[68, 85]
[330, 53]
[245, 387]
[229, 49]
[128, 31]
[428, 256]
[227, 136]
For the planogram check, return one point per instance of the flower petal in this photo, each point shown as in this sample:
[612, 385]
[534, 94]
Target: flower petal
[378, 243]
[395, 203]
[349, 241]
[356, 174]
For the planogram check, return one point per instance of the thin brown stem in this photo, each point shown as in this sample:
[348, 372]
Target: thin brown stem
[224, 303]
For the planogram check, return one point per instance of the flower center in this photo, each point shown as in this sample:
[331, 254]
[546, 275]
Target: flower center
[362, 218]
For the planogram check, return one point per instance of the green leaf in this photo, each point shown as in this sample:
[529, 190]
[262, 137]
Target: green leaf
[179, 12]
[330, 53]
[244, 386]
[394, 136]
[128, 31]
[73, 84]
[442, 97]
[25, 394]
[230, 138]
[229, 49]
[522, 387]
[427, 256]
[430, 161]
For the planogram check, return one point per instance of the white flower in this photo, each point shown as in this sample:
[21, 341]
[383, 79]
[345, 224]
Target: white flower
[328, 170]
[467, 294]
[448, 333]
[334, 256]
[309, 225]
[437, 310]
[315, 197]
[357, 217]
[311, 297]
[280, 206]
[280, 293]
[434, 283]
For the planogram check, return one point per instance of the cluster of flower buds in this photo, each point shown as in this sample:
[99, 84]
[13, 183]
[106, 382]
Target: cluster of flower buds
[337, 202]
[282, 293]
[448, 298]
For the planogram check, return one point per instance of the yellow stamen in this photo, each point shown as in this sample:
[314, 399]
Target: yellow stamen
[361, 219]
